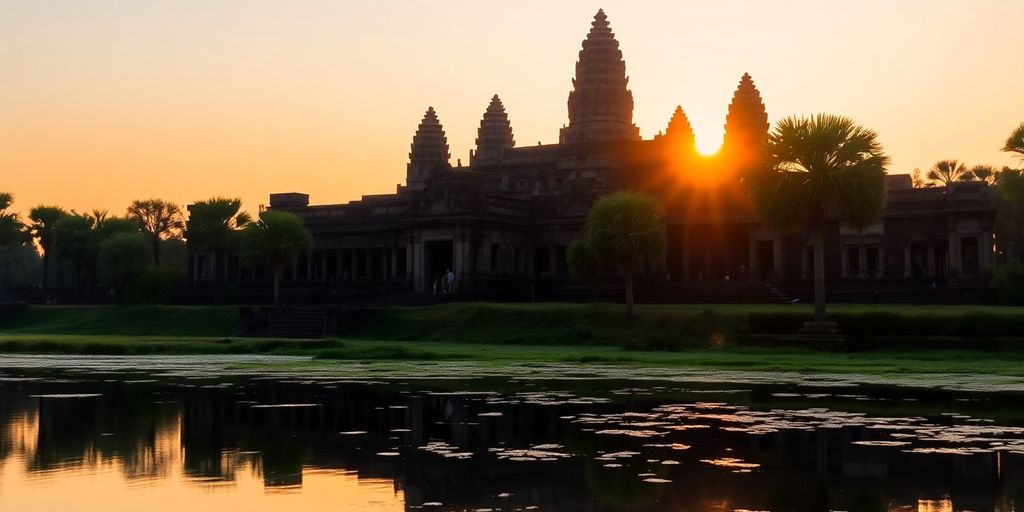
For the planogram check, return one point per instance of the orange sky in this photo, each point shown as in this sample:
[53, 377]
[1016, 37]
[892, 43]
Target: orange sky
[102, 102]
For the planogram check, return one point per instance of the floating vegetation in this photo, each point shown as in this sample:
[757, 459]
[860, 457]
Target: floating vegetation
[67, 395]
[731, 463]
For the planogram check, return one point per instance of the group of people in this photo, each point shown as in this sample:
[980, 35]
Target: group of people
[444, 284]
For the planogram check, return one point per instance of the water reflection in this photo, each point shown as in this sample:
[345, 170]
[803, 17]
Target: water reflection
[94, 443]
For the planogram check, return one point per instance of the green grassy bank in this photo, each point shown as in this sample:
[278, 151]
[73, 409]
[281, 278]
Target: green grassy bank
[131, 321]
[661, 335]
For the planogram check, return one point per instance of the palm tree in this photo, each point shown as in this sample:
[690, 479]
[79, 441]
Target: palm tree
[276, 239]
[946, 172]
[159, 219]
[212, 227]
[623, 230]
[74, 241]
[12, 232]
[44, 219]
[1015, 142]
[818, 169]
[985, 173]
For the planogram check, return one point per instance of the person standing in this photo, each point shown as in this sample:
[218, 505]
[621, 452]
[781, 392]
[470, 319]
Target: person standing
[449, 279]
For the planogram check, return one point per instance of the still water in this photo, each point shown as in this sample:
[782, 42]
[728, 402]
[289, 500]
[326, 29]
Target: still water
[98, 441]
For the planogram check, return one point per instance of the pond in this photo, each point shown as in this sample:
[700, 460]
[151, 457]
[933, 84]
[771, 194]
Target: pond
[91, 436]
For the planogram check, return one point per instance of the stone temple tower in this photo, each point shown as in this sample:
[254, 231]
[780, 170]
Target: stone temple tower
[746, 124]
[600, 105]
[679, 133]
[494, 135]
[429, 152]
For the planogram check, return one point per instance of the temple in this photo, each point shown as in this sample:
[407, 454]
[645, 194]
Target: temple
[502, 223]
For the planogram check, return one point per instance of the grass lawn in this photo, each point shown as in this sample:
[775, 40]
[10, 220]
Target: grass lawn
[698, 336]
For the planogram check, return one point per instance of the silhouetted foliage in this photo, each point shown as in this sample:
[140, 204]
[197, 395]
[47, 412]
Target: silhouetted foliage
[1015, 142]
[159, 219]
[946, 172]
[276, 239]
[582, 261]
[17, 257]
[985, 173]
[820, 168]
[43, 219]
[213, 227]
[623, 230]
[74, 243]
[122, 257]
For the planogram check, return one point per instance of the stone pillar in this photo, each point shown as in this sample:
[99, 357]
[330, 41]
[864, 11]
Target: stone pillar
[353, 264]
[409, 260]
[553, 259]
[954, 254]
[985, 249]
[753, 269]
[863, 256]
[416, 257]
[844, 258]
[686, 256]
[394, 262]
[907, 268]
[931, 260]
[777, 256]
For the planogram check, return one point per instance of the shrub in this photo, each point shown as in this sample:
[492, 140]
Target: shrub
[1008, 281]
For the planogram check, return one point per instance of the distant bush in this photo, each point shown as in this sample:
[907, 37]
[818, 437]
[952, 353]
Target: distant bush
[885, 323]
[152, 285]
[1008, 281]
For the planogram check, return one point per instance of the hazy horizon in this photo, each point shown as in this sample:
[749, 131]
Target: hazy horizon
[105, 102]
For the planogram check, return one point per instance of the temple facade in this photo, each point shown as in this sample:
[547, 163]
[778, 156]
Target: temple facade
[503, 222]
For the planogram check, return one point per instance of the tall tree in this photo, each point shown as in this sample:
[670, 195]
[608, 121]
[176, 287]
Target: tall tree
[276, 239]
[73, 241]
[13, 240]
[212, 227]
[623, 230]
[817, 169]
[121, 258]
[159, 219]
[1015, 142]
[919, 180]
[12, 231]
[947, 172]
[43, 220]
[985, 173]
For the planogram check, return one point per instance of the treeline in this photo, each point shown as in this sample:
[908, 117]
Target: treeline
[138, 256]
[141, 256]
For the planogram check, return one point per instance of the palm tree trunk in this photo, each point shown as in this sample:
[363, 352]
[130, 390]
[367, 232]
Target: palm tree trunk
[277, 286]
[629, 292]
[46, 268]
[819, 274]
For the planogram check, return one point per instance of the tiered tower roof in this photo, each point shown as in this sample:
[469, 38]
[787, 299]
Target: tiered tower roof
[429, 150]
[600, 105]
[747, 120]
[679, 128]
[494, 135]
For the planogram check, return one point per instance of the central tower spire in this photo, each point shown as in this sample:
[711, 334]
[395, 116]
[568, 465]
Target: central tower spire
[600, 105]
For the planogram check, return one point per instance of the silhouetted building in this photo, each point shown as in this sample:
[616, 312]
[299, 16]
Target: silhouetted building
[503, 222]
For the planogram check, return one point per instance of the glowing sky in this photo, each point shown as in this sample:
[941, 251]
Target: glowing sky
[102, 102]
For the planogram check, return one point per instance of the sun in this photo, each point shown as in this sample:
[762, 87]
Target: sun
[708, 146]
